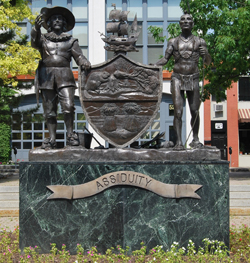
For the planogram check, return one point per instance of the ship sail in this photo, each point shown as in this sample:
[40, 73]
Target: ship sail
[123, 29]
[134, 26]
[123, 16]
[114, 14]
[117, 27]
[113, 27]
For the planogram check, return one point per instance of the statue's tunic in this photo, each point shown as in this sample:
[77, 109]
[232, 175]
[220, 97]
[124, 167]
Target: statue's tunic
[56, 52]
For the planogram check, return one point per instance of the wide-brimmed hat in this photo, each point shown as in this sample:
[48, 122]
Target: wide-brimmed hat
[58, 10]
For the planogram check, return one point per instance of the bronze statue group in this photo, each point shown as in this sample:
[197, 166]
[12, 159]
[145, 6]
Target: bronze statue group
[55, 80]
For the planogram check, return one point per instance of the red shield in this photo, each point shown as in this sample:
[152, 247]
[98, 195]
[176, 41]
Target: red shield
[121, 98]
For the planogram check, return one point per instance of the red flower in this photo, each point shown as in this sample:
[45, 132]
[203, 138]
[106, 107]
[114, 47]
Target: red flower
[240, 239]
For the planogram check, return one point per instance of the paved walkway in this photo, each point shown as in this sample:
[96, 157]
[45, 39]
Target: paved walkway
[9, 223]
[10, 181]
[238, 221]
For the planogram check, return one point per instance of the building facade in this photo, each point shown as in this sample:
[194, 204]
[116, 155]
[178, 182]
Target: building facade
[227, 124]
[91, 18]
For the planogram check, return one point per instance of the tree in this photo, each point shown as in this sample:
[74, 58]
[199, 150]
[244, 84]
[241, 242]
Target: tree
[17, 57]
[225, 26]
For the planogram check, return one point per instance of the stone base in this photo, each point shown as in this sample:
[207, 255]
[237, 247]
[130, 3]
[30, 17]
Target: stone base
[74, 154]
[123, 215]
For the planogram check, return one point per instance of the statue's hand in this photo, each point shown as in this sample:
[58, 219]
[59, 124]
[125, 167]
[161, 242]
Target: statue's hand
[203, 51]
[38, 22]
[86, 65]
[205, 55]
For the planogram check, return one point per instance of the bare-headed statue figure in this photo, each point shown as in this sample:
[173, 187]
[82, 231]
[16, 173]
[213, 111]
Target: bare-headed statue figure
[186, 50]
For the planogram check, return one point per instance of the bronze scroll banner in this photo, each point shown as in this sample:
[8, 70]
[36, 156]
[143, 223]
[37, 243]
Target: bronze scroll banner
[124, 178]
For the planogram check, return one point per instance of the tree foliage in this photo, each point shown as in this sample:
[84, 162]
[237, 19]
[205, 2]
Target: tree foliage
[225, 26]
[17, 57]
[5, 149]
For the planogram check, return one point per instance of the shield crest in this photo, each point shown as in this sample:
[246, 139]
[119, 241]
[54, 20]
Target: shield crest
[120, 98]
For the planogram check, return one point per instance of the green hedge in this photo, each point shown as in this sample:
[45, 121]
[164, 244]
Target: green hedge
[5, 150]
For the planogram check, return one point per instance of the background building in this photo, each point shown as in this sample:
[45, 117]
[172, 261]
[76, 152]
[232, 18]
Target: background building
[91, 18]
[227, 124]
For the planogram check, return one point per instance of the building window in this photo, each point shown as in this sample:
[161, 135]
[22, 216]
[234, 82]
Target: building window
[171, 109]
[36, 6]
[244, 135]
[29, 132]
[244, 89]
[149, 13]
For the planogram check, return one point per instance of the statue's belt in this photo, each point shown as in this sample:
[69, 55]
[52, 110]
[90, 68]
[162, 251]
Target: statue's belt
[187, 81]
[56, 61]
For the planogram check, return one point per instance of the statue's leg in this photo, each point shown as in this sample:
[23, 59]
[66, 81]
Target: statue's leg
[66, 98]
[50, 102]
[52, 125]
[178, 99]
[194, 105]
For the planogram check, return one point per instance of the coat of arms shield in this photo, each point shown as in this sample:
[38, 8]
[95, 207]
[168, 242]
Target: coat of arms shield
[121, 98]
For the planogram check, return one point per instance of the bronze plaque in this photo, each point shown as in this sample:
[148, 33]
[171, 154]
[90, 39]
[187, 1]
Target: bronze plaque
[121, 98]
[128, 178]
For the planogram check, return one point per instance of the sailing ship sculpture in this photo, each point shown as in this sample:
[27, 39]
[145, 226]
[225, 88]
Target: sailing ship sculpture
[120, 41]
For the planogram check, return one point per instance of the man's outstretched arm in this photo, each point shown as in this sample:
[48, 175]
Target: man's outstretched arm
[168, 54]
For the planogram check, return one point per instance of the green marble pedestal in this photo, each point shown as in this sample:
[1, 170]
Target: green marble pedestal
[123, 215]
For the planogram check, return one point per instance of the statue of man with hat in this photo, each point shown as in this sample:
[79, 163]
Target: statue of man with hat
[53, 76]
